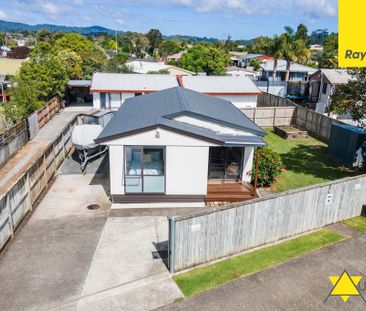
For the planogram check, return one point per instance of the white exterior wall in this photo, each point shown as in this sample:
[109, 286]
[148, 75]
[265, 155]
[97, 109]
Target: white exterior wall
[186, 170]
[186, 161]
[96, 100]
[248, 163]
[323, 101]
[113, 100]
[241, 101]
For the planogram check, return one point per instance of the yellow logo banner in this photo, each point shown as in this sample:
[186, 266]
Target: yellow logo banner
[352, 33]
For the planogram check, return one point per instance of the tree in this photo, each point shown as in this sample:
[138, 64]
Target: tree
[155, 39]
[206, 59]
[318, 36]
[48, 75]
[24, 100]
[93, 57]
[72, 63]
[43, 35]
[293, 48]
[302, 33]
[169, 47]
[259, 45]
[117, 64]
[20, 52]
[329, 57]
[351, 97]
[275, 49]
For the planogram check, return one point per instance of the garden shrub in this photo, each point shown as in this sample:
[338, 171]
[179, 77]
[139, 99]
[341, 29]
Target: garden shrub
[270, 167]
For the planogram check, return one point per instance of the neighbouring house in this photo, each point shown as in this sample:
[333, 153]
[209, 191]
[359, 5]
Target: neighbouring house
[322, 85]
[241, 72]
[4, 51]
[315, 49]
[180, 147]
[298, 72]
[175, 57]
[140, 66]
[244, 60]
[8, 68]
[241, 91]
[110, 90]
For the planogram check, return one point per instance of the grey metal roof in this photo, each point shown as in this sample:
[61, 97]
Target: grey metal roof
[159, 110]
[281, 67]
[106, 82]
[220, 85]
[79, 83]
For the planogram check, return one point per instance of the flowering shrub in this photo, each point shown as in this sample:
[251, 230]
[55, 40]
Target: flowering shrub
[270, 167]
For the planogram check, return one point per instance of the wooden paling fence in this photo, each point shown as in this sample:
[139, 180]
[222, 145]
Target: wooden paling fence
[16, 137]
[12, 140]
[19, 199]
[206, 236]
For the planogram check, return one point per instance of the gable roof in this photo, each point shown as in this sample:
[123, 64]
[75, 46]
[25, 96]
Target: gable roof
[336, 76]
[221, 85]
[281, 67]
[133, 83]
[159, 110]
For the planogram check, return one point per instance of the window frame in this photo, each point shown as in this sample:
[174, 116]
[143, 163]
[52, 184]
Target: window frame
[142, 192]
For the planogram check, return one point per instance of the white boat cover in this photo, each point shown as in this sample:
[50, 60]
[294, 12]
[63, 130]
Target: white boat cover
[83, 135]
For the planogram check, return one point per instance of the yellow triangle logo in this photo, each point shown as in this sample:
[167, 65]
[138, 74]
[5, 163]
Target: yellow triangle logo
[345, 286]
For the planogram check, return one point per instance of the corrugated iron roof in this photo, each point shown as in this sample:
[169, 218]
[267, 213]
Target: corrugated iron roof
[220, 84]
[131, 82]
[281, 67]
[336, 76]
[160, 108]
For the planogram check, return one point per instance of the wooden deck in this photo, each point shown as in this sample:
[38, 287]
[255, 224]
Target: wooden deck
[229, 192]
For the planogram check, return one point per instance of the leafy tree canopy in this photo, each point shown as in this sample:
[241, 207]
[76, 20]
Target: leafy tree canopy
[155, 38]
[351, 97]
[169, 47]
[260, 45]
[206, 59]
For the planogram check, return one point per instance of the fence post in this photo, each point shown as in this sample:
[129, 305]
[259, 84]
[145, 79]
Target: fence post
[274, 116]
[29, 190]
[171, 242]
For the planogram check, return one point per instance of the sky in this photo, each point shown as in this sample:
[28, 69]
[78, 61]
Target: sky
[241, 19]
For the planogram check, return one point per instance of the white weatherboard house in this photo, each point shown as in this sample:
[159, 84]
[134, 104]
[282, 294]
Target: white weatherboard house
[322, 85]
[110, 90]
[241, 91]
[180, 147]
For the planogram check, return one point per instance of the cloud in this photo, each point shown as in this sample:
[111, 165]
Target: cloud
[315, 8]
[3, 15]
[49, 7]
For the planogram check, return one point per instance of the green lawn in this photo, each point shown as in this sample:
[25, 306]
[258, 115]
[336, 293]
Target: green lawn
[358, 223]
[204, 278]
[306, 160]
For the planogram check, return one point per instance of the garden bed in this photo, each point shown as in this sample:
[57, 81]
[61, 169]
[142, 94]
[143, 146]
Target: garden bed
[290, 132]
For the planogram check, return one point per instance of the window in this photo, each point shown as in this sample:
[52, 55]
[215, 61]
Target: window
[144, 169]
[138, 94]
[324, 90]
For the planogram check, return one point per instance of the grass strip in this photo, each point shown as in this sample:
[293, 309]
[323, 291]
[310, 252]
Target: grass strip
[200, 279]
[358, 223]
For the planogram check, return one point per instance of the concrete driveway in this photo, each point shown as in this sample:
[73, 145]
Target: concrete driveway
[299, 284]
[127, 271]
[48, 260]
[67, 257]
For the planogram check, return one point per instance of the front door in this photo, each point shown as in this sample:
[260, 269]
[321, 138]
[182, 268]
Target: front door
[225, 163]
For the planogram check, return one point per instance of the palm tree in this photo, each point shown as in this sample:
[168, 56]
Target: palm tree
[294, 50]
[275, 49]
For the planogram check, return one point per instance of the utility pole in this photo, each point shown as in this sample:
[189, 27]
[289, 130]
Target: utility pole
[116, 41]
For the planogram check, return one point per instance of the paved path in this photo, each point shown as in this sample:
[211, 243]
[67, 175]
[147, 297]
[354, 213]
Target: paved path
[24, 158]
[299, 284]
[70, 258]
[48, 260]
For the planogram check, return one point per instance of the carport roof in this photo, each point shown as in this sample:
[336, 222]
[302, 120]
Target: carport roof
[160, 109]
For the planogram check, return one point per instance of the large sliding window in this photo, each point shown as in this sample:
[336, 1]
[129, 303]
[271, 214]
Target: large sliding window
[225, 163]
[144, 169]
